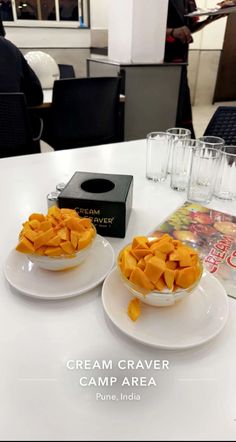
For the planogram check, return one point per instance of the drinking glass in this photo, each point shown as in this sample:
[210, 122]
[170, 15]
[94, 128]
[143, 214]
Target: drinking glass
[176, 134]
[157, 156]
[204, 168]
[181, 163]
[225, 185]
[212, 141]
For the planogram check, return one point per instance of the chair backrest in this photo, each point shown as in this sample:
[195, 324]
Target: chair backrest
[15, 129]
[223, 124]
[85, 112]
[66, 71]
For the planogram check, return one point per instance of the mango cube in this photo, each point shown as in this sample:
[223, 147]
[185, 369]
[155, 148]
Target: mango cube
[60, 232]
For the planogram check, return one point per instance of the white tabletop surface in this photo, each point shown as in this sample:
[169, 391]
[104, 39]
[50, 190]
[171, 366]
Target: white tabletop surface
[40, 398]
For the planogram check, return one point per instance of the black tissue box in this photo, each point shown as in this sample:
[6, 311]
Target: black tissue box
[105, 198]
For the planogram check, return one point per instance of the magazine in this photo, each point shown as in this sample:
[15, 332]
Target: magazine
[212, 233]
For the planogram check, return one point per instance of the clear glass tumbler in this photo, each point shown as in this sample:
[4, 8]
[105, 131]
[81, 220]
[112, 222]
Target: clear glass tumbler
[176, 134]
[212, 141]
[204, 168]
[225, 185]
[157, 156]
[181, 163]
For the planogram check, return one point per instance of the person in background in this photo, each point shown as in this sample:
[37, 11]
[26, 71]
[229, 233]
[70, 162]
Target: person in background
[178, 37]
[16, 75]
[2, 30]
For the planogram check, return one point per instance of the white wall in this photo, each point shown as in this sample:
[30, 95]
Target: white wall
[25, 37]
[212, 36]
[204, 57]
[99, 14]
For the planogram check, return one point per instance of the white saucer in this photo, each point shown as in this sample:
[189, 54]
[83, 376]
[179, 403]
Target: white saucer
[189, 323]
[30, 280]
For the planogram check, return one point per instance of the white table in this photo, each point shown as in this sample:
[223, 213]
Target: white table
[40, 398]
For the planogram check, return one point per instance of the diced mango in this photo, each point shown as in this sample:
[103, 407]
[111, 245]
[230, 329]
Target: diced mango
[169, 277]
[70, 212]
[128, 263]
[141, 264]
[186, 262]
[139, 278]
[194, 260]
[45, 225]
[54, 211]
[67, 247]
[155, 267]
[74, 237]
[34, 224]
[37, 216]
[41, 250]
[174, 256]
[74, 224]
[165, 247]
[184, 255]
[30, 234]
[25, 246]
[55, 241]
[165, 237]
[85, 238]
[43, 238]
[64, 233]
[186, 277]
[160, 255]
[140, 242]
[158, 263]
[52, 234]
[86, 222]
[161, 260]
[171, 265]
[147, 257]
[140, 253]
[134, 309]
[54, 251]
[177, 243]
[160, 284]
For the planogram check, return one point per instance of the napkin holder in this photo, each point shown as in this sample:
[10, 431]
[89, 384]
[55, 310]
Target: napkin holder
[105, 198]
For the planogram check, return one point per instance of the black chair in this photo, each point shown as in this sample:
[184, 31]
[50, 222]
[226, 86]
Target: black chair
[66, 71]
[16, 134]
[223, 124]
[84, 112]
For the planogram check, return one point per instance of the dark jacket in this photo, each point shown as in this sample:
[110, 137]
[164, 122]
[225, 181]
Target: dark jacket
[16, 75]
[175, 51]
[2, 30]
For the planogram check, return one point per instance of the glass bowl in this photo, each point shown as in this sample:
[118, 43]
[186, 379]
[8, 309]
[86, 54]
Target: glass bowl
[63, 262]
[158, 298]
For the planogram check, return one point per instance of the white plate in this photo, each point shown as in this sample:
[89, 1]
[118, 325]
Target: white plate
[30, 280]
[193, 321]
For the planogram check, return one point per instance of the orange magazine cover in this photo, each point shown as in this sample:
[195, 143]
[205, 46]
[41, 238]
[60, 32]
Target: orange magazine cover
[212, 233]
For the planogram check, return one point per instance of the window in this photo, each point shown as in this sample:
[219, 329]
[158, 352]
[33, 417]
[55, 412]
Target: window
[6, 10]
[43, 11]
